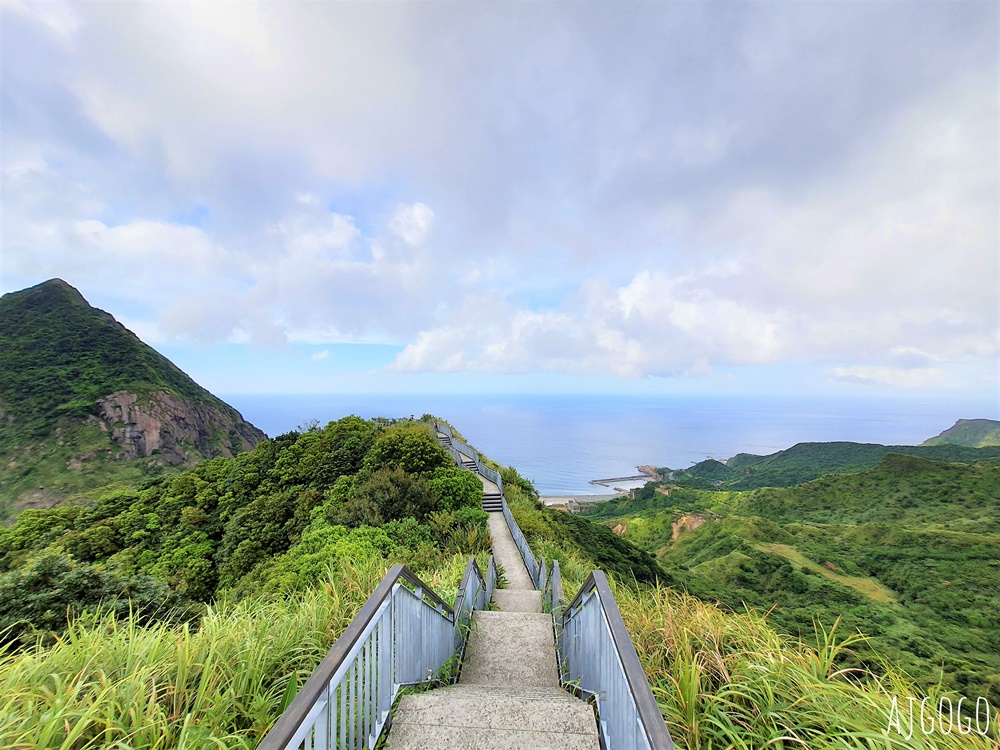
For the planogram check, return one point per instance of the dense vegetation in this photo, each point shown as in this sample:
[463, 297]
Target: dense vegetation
[272, 520]
[905, 553]
[976, 433]
[732, 680]
[58, 358]
[267, 556]
[807, 461]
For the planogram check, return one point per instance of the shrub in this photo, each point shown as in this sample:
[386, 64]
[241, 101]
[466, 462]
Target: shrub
[456, 488]
[411, 448]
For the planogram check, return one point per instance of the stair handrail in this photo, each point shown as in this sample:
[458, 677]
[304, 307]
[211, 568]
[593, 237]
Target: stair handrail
[405, 634]
[552, 592]
[610, 672]
[490, 473]
[522, 544]
[628, 715]
[475, 592]
[458, 448]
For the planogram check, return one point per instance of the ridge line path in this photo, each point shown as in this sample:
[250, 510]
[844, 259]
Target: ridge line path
[508, 695]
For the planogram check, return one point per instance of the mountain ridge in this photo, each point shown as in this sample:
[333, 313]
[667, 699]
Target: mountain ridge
[84, 402]
[974, 433]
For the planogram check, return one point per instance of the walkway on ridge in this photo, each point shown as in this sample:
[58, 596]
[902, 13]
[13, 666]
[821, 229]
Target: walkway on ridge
[508, 695]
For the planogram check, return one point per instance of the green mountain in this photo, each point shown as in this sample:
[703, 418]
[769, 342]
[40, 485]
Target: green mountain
[975, 433]
[84, 402]
[905, 552]
[192, 609]
[807, 461]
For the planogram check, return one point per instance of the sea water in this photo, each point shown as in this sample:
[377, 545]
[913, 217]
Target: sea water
[562, 443]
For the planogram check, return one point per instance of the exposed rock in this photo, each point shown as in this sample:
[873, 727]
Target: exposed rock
[179, 431]
[651, 472]
[620, 530]
[39, 499]
[687, 523]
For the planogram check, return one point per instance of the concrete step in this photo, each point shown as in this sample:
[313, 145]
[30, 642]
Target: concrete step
[507, 555]
[492, 498]
[493, 718]
[518, 601]
[514, 649]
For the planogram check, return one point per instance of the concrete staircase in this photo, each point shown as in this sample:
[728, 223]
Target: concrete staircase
[492, 498]
[508, 695]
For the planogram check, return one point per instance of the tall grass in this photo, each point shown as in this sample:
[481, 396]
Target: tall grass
[731, 681]
[116, 684]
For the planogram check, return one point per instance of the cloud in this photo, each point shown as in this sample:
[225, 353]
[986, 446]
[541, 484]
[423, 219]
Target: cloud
[320, 356]
[316, 232]
[894, 377]
[660, 191]
[55, 16]
[412, 224]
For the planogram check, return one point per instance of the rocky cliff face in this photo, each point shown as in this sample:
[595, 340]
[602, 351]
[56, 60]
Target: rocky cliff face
[177, 431]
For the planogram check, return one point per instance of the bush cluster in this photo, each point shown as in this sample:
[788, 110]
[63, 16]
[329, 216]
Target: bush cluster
[275, 518]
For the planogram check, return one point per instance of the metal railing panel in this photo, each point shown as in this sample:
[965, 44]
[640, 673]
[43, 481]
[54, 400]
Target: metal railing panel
[424, 637]
[471, 596]
[491, 580]
[600, 659]
[403, 635]
[521, 542]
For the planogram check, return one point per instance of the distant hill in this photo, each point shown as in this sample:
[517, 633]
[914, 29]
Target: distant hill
[905, 552]
[807, 461]
[84, 402]
[975, 433]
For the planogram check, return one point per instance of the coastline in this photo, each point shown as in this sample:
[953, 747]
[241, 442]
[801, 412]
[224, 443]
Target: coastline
[570, 500]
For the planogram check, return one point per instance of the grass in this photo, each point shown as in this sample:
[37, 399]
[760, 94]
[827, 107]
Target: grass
[862, 584]
[115, 684]
[731, 681]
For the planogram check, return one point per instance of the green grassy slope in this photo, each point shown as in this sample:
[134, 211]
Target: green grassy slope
[976, 433]
[807, 461]
[59, 356]
[913, 546]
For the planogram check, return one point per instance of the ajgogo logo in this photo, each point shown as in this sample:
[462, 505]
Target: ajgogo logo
[956, 718]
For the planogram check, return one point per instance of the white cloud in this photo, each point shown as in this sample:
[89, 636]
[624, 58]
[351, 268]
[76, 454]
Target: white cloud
[412, 224]
[607, 198]
[55, 16]
[316, 232]
[894, 377]
[320, 356]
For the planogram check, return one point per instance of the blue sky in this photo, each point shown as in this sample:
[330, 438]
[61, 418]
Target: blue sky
[670, 197]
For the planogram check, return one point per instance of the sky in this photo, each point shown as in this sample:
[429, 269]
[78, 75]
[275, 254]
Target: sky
[629, 197]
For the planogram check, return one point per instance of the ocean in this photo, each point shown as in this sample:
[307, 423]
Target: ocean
[562, 443]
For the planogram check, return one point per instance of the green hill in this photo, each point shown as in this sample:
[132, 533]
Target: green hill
[975, 433]
[84, 402]
[807, 461]
[192, 608]
[905, 552]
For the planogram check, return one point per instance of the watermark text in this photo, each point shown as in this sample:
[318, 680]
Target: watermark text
[923, 716]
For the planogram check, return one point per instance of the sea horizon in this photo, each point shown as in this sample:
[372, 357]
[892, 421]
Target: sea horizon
[564, 441]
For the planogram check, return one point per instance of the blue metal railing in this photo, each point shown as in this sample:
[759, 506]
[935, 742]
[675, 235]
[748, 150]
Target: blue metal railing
[597, 657]
[459, 448]
[475, 592]
[522, 544]
[405, 634]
